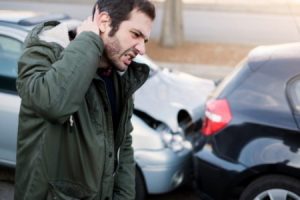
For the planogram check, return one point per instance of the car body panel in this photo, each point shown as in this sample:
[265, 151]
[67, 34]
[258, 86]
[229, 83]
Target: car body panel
[164, 168]
[9, 113]
[167, 88]
[145, 137]
[216, 175]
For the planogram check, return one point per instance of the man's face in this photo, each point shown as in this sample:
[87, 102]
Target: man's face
[128, 41]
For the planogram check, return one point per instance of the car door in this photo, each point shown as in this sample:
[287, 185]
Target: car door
[10, 50]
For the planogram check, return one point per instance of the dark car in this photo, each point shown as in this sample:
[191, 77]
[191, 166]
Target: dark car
[251, 130]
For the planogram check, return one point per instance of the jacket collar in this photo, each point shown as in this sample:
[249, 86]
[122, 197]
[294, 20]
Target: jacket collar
[135, 76]
[33, 36]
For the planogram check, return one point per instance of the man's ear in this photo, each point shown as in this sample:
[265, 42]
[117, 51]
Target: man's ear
[103, 21]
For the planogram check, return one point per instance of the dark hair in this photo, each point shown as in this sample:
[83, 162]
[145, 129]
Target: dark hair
[119, 10]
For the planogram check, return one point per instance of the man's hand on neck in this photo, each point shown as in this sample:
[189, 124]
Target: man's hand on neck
[88, 25]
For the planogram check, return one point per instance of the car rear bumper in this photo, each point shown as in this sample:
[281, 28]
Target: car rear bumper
[164, 170]
[214, 175]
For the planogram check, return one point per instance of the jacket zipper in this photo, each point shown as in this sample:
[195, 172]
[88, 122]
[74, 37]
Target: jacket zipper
[71, 123]
[119, 147]
[71, 120]
[109, 106]
[118, 158]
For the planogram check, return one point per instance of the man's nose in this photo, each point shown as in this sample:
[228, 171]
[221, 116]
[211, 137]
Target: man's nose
[141, 48]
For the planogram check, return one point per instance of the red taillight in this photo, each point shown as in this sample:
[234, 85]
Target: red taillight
[217, 116]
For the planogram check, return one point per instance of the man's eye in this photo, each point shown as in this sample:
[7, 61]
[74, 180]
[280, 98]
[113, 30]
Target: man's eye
[135, 34]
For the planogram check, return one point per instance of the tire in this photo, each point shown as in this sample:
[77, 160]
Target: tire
[139, 185]
[267, 187]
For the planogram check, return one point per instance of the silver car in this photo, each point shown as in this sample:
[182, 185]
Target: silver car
[176, 98]
[162, 153]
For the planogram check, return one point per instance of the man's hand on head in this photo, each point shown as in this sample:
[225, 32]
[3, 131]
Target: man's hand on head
[88, 25]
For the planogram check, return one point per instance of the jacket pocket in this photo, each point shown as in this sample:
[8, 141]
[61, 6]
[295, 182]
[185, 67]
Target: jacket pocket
[65, 190]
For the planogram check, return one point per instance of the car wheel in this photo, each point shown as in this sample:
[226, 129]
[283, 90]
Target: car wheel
[272, 187]
[139, 185]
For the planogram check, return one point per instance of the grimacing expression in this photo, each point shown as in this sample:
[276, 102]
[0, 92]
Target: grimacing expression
[128, 41]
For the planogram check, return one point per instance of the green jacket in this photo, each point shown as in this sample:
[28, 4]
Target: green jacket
[66, 146]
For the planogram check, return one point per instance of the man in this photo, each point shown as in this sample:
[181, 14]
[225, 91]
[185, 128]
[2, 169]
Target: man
[74, 137]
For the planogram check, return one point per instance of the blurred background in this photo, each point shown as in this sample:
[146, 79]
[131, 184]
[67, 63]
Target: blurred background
[205, 38]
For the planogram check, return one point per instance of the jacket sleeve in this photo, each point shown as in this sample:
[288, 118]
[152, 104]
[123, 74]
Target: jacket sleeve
[124, 188]
[54, 84]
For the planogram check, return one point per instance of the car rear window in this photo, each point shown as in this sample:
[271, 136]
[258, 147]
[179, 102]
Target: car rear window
[232, 80]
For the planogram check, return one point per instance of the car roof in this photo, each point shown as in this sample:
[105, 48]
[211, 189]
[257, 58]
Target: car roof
[265, 54]
[14, 26]
[28, 19]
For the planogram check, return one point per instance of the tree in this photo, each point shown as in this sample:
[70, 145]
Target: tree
[172, 29]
